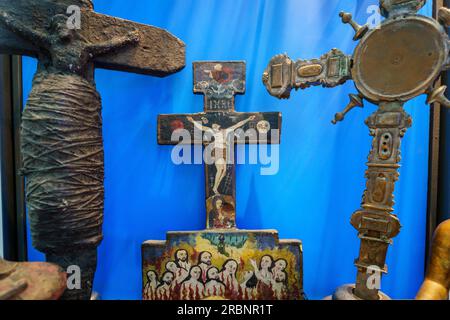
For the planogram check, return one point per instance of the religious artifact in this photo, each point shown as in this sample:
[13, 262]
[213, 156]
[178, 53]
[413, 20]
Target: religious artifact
[221, 262]
[437, 281]
[61, 130]
[393, 63]
[31, 281]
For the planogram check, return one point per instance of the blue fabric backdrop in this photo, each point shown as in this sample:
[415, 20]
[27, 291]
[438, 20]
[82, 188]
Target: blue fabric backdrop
[321, 177]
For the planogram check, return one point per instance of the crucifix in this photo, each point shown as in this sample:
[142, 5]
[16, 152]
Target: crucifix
[219, 128]
[221, 261]
[393, 63]
[61, 130]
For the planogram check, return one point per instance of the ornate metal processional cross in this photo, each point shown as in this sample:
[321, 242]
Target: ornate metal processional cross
[221, 261]
[61, 130]
[391, 65]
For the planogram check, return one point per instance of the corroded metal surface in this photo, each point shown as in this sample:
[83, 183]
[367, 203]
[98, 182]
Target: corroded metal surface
[61, 130]
[398, 61]
[283, 74]
[401, 60]
[221, 262]
[437, 281]
[375, 222]
[31, 281]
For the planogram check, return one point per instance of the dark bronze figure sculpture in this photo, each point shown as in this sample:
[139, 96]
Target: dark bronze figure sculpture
[392, 64]
[61, 133]
[437, 281]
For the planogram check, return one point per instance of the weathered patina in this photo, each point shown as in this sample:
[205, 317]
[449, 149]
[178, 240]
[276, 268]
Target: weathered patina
[396, 62]
[61, 129]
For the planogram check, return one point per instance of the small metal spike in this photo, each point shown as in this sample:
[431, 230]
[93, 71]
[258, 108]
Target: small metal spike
[360, 31]
[355, 101]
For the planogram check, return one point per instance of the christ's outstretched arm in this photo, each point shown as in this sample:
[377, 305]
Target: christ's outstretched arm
[106, 47]
[198, 125]
[241, 123]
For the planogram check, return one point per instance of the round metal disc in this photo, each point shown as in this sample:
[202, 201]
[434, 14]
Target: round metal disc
[400, 60]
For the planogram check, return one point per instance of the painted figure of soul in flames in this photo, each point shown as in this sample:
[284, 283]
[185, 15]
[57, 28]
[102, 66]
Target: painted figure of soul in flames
[61, 128]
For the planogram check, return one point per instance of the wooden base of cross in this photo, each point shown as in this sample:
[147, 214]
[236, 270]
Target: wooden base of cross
[221, 261]
[229, 264]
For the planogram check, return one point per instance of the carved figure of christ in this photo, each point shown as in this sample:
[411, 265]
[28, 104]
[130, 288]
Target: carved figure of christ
[220, 145]
[218, 128]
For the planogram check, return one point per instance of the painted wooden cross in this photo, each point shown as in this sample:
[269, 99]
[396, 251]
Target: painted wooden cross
[61, 129]
[219, 127]
[222, 261]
